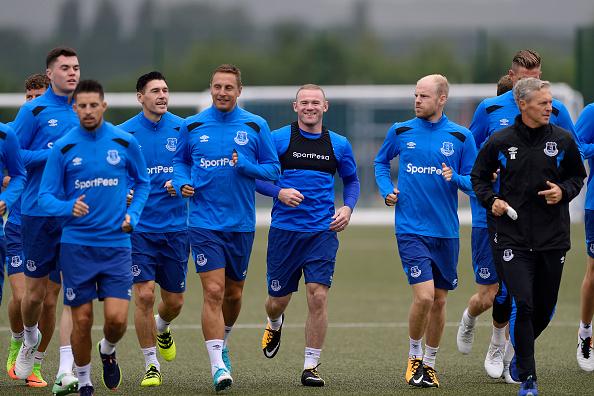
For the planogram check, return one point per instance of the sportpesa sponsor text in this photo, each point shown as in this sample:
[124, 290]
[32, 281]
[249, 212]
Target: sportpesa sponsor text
[96, 182]
[430, 170]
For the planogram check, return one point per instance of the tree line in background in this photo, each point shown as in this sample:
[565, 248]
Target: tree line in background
[186, 41]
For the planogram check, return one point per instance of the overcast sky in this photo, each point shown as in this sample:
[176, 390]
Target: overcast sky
[384, 15]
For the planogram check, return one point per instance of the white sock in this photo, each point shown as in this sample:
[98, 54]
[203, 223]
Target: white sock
[150, 357]
[430, 355]
[107, 348]
[468, 319]
[66, 359]
[83, 373]
[38, 357]
[31, 335]
[415, 350]
[312, 357]
[161, 324]
[508, 355]
[498, 337]
[215, 353]
[585, 330]
[276, 324]
[18, 336]
[227, 334]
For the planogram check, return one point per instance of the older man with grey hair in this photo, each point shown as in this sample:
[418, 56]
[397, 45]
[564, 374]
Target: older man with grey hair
[541, 170]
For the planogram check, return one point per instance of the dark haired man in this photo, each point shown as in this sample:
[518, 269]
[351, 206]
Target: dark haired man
[39, 123]
[85, 181]
[160, 240]
[220, 154]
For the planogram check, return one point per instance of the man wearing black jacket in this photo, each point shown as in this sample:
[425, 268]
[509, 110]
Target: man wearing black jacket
[541, 170]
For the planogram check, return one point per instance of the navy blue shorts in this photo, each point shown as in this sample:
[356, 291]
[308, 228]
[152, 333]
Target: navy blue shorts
[485, 272]
[589, 221]
[2, 256]
[41, 244]
[14, 249]
[428, 258]
[91, 272]
[290, 253]
[219, 249]
[161, 257]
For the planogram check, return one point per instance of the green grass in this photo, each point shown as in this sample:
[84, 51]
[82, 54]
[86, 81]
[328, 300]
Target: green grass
[367, 342]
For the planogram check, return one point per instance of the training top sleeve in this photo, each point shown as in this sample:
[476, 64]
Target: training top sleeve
[585, 130]
[462, 177]
[347, 169]
[387, 152]
[15, 169]
[136, 167]
[268, 166]
[24, 126]
[479, 126]
[182, 161]
[52, 186]
[486, 163]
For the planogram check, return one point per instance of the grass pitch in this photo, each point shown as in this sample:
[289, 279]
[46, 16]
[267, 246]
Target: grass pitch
[366, 345]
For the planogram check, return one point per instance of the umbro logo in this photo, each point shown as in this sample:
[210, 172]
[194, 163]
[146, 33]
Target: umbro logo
[204, 138]
[411, 145]
[53, 122]
[77, 161]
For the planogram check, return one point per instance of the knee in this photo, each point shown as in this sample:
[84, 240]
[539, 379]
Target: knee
[82, 324]
[233, 295]
[214, 293]
[115, 323]
[175, 302]
[144, 297]
[317, 300]
[424, 301]
[439, 303]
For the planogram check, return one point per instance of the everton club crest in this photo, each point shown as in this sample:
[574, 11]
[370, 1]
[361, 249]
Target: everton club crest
[241, 138]
[551, 149]
[447, 148]
[171, 144]
[113, 157]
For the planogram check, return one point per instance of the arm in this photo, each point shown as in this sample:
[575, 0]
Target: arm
[462, 178]
[52, 186]
[585, 131]
[15, 169]
[386, 153]
[482, 172]
[573, 173]
[479, 125]
[136, 167]
[565, 122]
[347, 169]
[24, 127]
[266, 188]
[182, 162]
[268, 166]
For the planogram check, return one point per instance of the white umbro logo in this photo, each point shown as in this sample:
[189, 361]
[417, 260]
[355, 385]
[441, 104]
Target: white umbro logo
[504, 122]
[411, 145]
[76, 161]
[204, 138]
[53, 122]
[512, 152]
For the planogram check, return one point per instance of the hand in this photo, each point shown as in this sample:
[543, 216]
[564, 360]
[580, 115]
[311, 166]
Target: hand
[187, 191]
[446, 172]
[234, 158]
[553, 195]
[5, 181]
[495, 176]
[2, 208]
[170, 189]
[290, 197]
[499, 207]
[129, 197]
[80, 208]
[126, 226]
[341, 219]
[392, 198]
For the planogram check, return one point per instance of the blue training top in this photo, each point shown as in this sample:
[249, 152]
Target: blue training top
[158, 142]
[96, 164]
[11, 162]
[315, 212]
[499, 112]
[38, 125]
[585, 130]
[224, 198]
[427, 204]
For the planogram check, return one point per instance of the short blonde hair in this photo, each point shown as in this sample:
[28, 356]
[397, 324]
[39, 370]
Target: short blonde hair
[310, 87]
